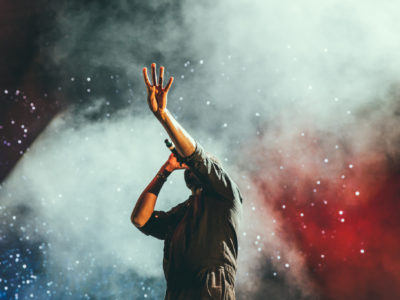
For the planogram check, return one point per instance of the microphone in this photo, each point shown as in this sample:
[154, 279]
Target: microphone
[172, 148]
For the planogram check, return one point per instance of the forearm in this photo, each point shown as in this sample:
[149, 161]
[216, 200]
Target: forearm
[145, 204]
[184, 143]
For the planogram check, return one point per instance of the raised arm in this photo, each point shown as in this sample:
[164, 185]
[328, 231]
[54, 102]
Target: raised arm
[199, 161]
[157, 101]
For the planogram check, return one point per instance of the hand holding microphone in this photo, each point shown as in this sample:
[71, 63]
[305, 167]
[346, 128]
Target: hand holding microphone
[172, 148]
[175, 161]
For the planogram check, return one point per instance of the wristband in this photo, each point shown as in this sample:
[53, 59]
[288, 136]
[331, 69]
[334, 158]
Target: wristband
[162, 176]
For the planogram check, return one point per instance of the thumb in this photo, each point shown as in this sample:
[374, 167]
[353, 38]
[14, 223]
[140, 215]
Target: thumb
[185, 166]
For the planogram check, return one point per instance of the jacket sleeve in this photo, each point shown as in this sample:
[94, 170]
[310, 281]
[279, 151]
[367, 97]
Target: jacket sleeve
[161, 222]
[212, 174]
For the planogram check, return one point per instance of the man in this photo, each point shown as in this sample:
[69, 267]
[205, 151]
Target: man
[200, 234]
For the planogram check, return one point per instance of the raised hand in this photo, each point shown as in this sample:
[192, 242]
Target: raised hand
[156, 94]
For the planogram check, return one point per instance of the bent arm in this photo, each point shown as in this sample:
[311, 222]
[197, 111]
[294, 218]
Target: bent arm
[145, 204]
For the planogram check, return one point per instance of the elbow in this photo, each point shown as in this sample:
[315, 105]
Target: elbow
[138, 221]
[135, 220]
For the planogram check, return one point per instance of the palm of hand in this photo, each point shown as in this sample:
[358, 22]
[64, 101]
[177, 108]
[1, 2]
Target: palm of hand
[157, 99]
[157, 95]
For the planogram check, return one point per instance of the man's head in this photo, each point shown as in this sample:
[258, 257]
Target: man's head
[192, 181]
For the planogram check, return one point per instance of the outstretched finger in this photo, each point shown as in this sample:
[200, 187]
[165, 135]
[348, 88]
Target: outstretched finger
[146, 78]
[153, 73]
[161, 79]
[169, 84]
